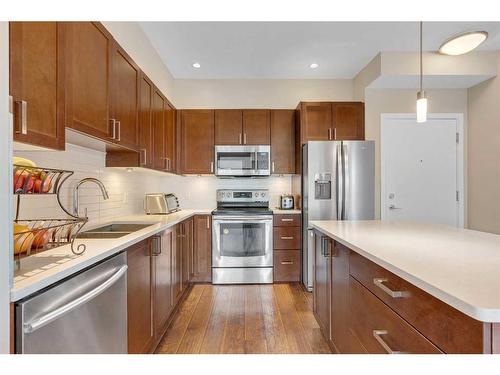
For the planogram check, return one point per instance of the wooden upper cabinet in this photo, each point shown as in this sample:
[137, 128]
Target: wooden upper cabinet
[283, 141]
[146, 90]
[125, 79]
[88, 70]
[316, 121]
[348, 120]
[228, 126]
[37, 82]
[196, 141]
[159, 134]
[256, 126]
[170, 137]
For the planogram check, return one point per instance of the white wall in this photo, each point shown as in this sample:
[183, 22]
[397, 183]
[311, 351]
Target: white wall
[258, 93]
[5, 190]
[378, 101]
[484, 155]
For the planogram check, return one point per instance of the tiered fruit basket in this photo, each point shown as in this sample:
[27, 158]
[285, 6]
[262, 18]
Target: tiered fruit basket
[37, 235]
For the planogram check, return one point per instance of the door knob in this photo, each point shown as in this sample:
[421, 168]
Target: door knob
[393, 207]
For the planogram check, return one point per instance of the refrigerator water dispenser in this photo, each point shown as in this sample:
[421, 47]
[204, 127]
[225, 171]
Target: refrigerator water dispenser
[323, 186]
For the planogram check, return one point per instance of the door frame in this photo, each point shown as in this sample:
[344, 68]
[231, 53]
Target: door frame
[459, 118]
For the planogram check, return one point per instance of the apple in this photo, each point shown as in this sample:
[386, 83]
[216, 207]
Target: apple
[41, 238]
[22, 238]
[42, 186]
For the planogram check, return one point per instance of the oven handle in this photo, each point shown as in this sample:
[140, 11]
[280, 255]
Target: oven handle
[243, 218]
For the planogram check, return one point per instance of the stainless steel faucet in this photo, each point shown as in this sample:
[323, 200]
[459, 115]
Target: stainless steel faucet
[76, 194]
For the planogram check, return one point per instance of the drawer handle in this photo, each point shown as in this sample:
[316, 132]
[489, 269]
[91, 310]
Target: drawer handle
[286, 237]
[287, 262]
[393, 293]
[378, 333]
[286, 220]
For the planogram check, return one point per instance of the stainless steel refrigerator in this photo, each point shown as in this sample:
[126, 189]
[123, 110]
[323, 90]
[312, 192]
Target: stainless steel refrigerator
[338, 183]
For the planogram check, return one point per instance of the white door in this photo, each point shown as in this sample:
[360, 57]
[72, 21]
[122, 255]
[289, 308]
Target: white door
[421, 169]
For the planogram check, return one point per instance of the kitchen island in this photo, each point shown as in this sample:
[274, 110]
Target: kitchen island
[433, 285]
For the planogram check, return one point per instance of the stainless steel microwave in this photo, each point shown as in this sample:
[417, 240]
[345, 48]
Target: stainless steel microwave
[239, 161]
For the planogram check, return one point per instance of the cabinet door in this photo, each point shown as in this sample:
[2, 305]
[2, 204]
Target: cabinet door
[316, 121]
[162, 255]
[322, 281]
[88, 69]
[348, 120]
[170, 137]
[140, 297]
[256, 127]
[146, 90]
[228, 127]
[283, 141]
[37, 82]
[341, 336]
[159, 134]
[177, 264]
[202, 249]
[197, 141]
[124, 97]
[187, 251]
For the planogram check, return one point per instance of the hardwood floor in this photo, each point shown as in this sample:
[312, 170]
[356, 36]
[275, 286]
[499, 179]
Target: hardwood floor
[245, 319]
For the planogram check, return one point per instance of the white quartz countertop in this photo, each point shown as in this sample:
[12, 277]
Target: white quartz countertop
[458, 266]
[43, 269]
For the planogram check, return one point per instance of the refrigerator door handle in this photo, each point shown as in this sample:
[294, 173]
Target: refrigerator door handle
[344, 180]
[338, 182]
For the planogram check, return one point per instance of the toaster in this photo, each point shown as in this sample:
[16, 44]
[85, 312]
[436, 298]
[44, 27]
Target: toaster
[286, 202]
[160, 204]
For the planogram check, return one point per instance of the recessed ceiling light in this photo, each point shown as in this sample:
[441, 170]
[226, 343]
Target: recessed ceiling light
[196, 65]
[463, 43]
[313, 65]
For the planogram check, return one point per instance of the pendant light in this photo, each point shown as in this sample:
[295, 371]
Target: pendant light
[421, 98]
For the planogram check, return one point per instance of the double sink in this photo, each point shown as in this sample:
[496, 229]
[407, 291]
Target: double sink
[114, 230]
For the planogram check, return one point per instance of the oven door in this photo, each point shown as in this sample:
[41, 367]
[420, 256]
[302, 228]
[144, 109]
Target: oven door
[239, 241]
[242, 160]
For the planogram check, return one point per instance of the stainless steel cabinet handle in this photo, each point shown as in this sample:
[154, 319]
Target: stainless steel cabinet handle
[157, 245]
[113, 128]
[240, 141]
[334, 133]
[393, 293]
[286, 219]
[378, 333]
[272, 167]
[168, 164]
[119, 132]
[57, 313]
[329, 134]
[286, 237]
[23, 121]
[245, 138]
[208, 222]
[287, 262]
[143, 160]
[211, 167]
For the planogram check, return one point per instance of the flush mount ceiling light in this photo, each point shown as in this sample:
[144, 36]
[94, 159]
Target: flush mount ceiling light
[421, 99]
[463, 43]
[196, 65]
[313, 65]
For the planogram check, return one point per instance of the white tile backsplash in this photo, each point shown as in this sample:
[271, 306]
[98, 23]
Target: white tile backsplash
[127, 189]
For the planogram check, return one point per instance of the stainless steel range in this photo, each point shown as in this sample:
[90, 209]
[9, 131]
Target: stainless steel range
[242, 238]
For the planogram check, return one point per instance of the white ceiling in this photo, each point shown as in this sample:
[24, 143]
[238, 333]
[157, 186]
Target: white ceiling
[284, 50]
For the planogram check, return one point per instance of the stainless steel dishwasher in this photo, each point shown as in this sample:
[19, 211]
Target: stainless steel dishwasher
[83, 314]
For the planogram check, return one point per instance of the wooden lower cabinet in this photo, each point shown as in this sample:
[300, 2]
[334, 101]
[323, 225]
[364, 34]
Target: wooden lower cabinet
[162, 261]
[287, 244]
[202, 249]
[140, 297]
[287, 265]
[363, 308]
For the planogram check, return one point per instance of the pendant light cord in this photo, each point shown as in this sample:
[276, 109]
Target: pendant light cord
[421, 68]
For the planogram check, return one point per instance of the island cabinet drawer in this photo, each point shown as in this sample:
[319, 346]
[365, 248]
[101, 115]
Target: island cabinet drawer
[449, 329]
[286, 238]
[286, 265]
[287, 220]
[381, 330]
